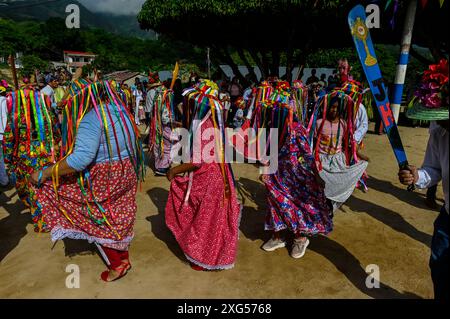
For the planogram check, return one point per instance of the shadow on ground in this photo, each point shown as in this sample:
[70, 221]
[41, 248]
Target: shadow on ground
[351, 268]
[13, 227]
[252, 220]
[389, 218]
[74, 247]
[159, 198]
[415, 199]
[252, 226]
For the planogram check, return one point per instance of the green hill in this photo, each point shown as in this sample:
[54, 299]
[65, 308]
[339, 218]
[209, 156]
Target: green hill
[43, 10]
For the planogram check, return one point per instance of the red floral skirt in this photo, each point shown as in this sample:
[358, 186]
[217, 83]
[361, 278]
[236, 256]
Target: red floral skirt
[104, 214]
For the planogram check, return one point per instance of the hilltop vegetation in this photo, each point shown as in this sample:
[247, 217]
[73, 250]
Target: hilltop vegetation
[46, 41]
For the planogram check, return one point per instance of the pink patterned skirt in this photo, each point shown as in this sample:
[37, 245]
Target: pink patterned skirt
[105, 216]
[206, 226]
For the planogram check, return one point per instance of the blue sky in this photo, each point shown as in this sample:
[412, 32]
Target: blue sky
[114, 6]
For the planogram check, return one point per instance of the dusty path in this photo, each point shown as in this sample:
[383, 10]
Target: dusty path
[387, 226]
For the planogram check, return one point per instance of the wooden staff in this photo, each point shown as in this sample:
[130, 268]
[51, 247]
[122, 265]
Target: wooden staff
[36, 76]
[175, 75]
[12, 61]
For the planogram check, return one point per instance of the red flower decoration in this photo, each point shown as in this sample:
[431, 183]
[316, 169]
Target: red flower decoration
[433, 91]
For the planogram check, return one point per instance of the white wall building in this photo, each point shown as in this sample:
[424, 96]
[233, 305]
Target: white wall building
[75, 59]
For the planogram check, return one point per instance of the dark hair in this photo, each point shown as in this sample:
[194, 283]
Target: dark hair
[334, 100]
[101, 93]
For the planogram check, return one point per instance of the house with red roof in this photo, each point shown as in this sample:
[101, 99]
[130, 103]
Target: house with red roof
[76, 59]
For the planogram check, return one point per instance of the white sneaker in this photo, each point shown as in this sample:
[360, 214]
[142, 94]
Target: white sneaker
[299, 248]
[273, 244]
[160, 173]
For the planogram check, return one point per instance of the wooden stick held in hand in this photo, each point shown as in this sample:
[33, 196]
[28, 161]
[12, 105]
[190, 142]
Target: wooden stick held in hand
[12, 61]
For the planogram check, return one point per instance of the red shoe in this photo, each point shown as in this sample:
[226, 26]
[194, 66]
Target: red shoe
[41, 231]
[127, 264]
[198, 268]
[122, 270]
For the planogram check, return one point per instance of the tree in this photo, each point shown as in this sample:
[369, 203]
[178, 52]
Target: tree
[8, 38]
[266, 33]
[31, 63]
[431, 30]
[47, 41]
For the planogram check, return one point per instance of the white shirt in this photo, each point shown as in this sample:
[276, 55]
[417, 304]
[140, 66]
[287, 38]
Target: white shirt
[3, 116]
[238, 118]
[150, 99]
[48, 90]
[435, 165]
[361, 124]
[226, 105]
[165, 116]
[247, 93]
[433, 125]
[138, 95]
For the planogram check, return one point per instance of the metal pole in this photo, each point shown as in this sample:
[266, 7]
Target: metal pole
[404, 57]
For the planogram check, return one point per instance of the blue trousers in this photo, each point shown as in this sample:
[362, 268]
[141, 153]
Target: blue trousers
[439, 257]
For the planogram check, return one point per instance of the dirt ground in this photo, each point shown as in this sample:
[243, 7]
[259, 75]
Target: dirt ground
[387, 226]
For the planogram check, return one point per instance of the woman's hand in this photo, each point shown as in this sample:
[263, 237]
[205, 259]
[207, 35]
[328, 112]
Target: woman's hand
[319, 180]
[363, 157]
[61, 104]
[181, 169]
[170, 175]
[34, 178]
[264, 178]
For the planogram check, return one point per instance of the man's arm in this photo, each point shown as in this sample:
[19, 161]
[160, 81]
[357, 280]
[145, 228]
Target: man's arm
[430, 174]
[3, 116]
[362, 124]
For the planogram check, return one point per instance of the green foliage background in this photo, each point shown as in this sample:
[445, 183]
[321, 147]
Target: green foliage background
[41, 42]
[46, 41]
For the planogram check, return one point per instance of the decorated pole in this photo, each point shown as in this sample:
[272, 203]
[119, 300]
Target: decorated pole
[404, 57]
[366, 52]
